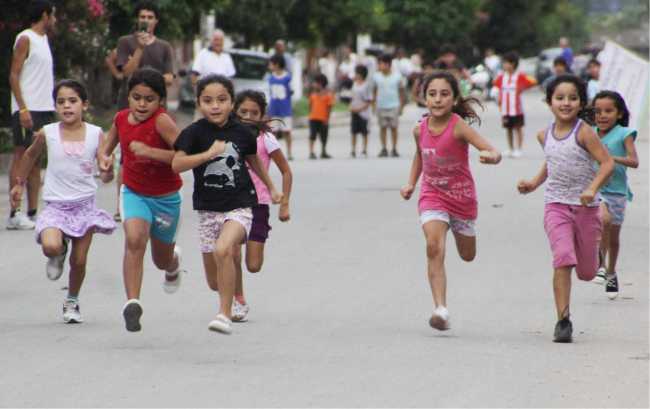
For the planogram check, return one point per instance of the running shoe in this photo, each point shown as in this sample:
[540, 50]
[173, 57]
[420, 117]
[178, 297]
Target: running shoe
[383, 153]
[20, 222]
[172, 280]
[325, 155]
[600, 277]
[312, 156]
[611, 288]
[517, 153]
[394, 153]
[239, 311]
[507, 153]
[563, 331]
[221, 323]
[440, 319]
[71, 313]
[132, 312]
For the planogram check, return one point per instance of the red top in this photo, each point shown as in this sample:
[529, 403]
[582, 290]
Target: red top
[143, 175]
[510, 88]
[447, 182]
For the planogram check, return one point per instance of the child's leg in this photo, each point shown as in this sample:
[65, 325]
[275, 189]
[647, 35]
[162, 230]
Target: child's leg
[520, 137]
[562, 290]
[382, 137]
[233, 233]
[33, 187]
[287, 135]
[78, 256]
[614, 247]
[254, 256]
[393, 131]
[52, 242]
[365, 143]
[136, 232]
[239, 280]
[354, 143]
[324, 132]
[118, 184]
[606, 219]
[211, 271]
[466, 246]
[435, 233]
[313, 133]
[163, 256]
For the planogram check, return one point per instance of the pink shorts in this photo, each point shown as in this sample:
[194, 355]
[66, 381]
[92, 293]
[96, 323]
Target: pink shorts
[574, 234]
[211, 223]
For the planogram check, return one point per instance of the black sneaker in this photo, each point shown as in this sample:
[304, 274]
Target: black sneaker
[611, 288]
[132, 312]
[325, 155]
[383, 153]
[312, 156]
[563, 331]
[353, 154]
[394, 153]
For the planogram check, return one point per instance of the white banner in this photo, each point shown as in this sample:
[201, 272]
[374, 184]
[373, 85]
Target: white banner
[629, 75]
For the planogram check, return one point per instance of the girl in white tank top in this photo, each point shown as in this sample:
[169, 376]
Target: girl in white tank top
[69, 192]
[571, 219]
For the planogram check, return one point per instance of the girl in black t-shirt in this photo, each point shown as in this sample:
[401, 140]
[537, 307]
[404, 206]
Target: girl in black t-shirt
[217, 149]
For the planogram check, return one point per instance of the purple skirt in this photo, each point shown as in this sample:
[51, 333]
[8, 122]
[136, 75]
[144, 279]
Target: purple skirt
[74, 219]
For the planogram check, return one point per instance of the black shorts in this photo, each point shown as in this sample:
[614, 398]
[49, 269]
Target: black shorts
[318, 128]
[260, 226]
[358, 124]
[23, 137]
[510, 122]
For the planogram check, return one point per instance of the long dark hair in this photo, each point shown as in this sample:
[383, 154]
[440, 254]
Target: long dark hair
[619, 102]
[585, 112]
[462, 105]
[150, 77]
[258, 98]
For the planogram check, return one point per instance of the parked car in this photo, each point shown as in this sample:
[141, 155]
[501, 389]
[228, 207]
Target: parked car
[251, 73]
[545, 59]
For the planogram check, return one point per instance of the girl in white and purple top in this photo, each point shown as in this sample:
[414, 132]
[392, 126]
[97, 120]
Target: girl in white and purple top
[69, 192]
[571, 212]
[251, 106]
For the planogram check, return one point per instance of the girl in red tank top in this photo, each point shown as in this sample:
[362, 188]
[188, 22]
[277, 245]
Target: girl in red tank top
[447, 194]
[150, 203]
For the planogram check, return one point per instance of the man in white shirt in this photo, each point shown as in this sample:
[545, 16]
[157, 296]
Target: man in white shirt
[213, 60]
[31, 79]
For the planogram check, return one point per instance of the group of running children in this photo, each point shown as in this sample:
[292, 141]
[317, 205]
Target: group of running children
[229, 151]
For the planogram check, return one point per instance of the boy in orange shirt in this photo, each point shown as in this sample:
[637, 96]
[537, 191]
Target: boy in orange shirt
[320, 106]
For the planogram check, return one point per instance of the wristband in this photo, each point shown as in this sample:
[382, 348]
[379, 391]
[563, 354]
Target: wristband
[22, 110]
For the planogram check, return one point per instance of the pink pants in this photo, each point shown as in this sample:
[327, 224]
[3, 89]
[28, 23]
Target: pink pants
[574, 234]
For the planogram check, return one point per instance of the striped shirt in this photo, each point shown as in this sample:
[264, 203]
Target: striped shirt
[510, 86]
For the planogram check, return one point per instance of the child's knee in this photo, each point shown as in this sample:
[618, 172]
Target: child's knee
[51, 249]
[435, 249]
[467, 254]
[222, 251]
[254, 266]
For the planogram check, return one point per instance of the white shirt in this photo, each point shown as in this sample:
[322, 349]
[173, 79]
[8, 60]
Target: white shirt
[37, 75]
[209, 62]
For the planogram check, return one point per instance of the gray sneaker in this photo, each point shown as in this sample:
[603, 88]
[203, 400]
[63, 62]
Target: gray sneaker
[54, 266]
[563, 331]
[71, 313]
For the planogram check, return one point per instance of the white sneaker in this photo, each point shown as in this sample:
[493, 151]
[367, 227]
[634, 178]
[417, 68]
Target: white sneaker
[239, 311]
[20, 222]
[440, 319]
[171, 286]
[600, 278]
[71, 313]
[221, 323]
[54, 266]
[517, 153]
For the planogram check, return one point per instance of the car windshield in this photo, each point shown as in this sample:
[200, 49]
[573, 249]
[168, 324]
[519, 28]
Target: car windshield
[251, 67]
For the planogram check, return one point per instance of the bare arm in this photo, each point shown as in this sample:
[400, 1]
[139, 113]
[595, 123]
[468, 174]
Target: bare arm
[527, 186]
[168, 131]
[489, 155]
[402, 98]
[111, 141]
[182, 161]
[104, 163]
[134, 60]
[256, 165]
[597, 150]
[287, 180]
[631, 159]
[416, 167]
[25, 166]
[21, 51]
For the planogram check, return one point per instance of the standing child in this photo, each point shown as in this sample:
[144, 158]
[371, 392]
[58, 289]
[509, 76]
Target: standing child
[73, 146]
[571, 198]
[217, 149]
[151, 204]
[320, 106]
[280, 104]
[593, 85]
[360, 109]
[612, 118]
[389, 98]
[511, 83]
[250, 106]
[447, 193]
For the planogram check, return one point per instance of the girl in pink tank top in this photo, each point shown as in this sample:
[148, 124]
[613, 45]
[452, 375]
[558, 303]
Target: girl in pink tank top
[447, 193]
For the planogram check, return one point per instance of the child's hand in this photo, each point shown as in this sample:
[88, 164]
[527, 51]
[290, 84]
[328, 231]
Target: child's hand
[525, 186]
[139, 148]
[587, 197]
[276, 197]
[407, 191]
[16, 196]
[490, 157]
[217, 148]
[283, 215]
[105, 163]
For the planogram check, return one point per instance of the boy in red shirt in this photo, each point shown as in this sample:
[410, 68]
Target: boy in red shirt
[320, 106]
[511, 83]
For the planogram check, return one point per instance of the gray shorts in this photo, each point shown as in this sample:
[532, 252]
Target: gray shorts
[388, 118]
[23, 137]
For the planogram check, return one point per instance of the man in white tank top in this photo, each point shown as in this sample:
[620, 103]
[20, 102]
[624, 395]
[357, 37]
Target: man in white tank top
[32, 80]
